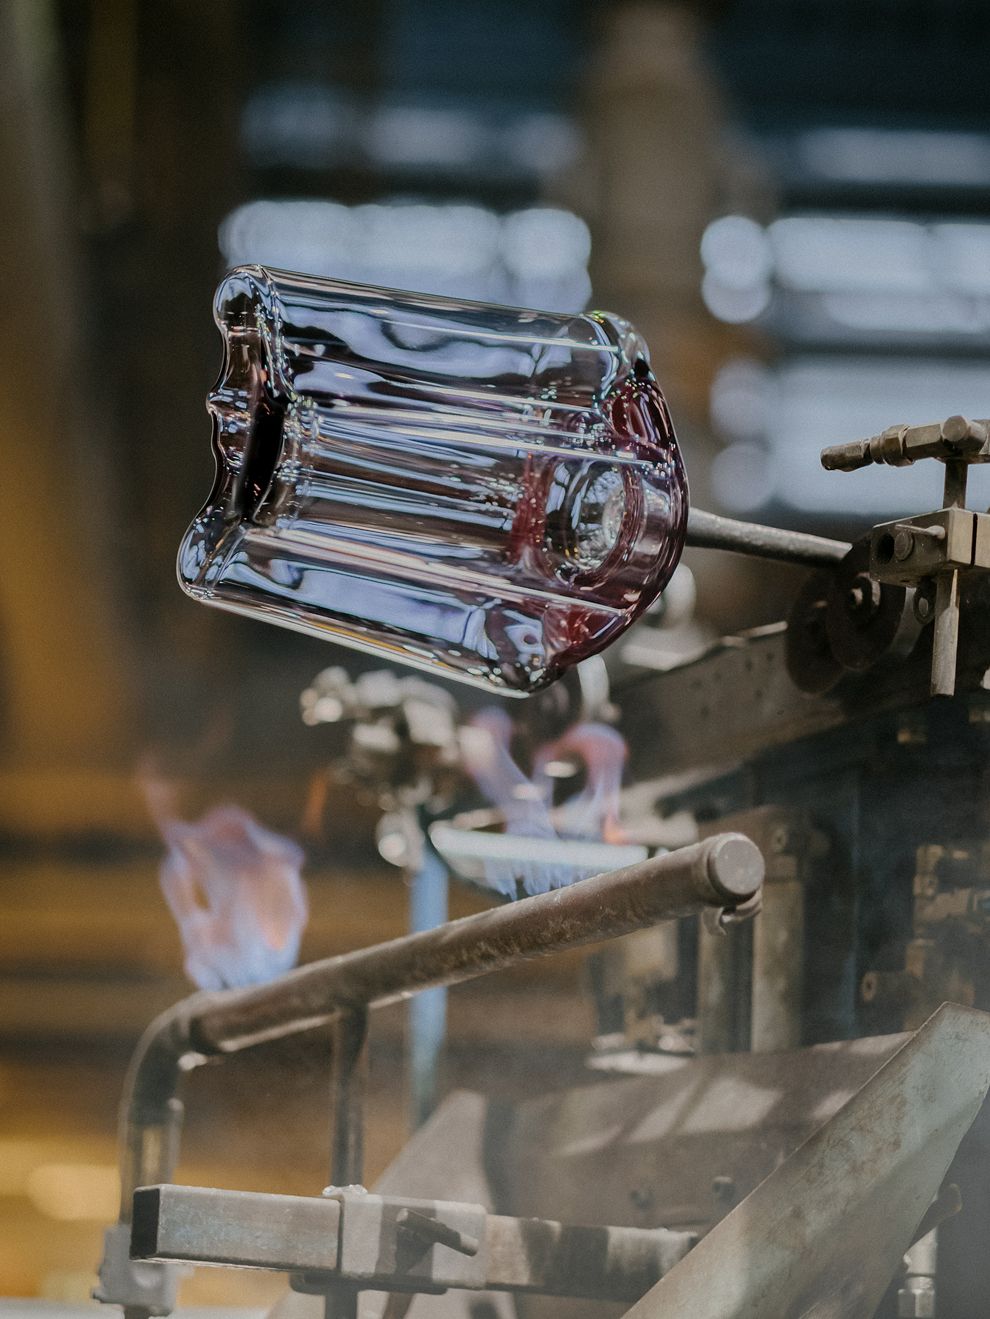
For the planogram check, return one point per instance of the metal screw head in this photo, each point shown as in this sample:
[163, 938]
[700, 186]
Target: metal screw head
[903, 544]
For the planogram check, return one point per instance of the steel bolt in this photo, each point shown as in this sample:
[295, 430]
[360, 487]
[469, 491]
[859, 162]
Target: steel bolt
[916, 1299]
[434, 1230]
[903, 544]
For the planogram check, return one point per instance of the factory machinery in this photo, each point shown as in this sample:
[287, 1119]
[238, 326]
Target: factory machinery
[786, 1116]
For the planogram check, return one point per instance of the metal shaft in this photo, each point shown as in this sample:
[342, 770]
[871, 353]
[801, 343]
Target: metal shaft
[302, 1236]
[349, 1067]
[722, 871]
[349, 1071]
[945, 634]
[709, 531]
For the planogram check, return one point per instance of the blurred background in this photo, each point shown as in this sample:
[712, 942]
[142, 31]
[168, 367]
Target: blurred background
[789, 198]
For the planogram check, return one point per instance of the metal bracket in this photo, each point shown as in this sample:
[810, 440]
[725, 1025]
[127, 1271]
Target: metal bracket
[147, 1285]
[350, 1239]
[911, 549]
[410, 1245]
[928, 552]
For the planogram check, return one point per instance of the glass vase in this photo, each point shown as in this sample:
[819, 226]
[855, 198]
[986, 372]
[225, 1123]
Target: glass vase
[488, 492]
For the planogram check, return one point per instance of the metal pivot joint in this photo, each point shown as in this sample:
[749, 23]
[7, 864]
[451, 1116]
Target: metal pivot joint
[929, 552]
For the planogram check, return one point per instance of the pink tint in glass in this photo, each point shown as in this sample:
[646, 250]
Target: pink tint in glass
[489, 492]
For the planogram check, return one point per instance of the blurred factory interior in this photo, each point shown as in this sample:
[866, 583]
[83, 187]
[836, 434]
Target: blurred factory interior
[789, 198]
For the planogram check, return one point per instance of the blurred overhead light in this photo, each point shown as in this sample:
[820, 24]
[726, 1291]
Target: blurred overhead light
[313, 125]
[924, 315]
[810, 402]
[740, 399]
[736, 257]
[732, 303]
[412, 135]
[819, 253]
[824, 275]
[543, 143]
[469, 139]
[544, 241]
[535, 257]
[740, 477]
[964, 256]
[896, 156]
[735, 251]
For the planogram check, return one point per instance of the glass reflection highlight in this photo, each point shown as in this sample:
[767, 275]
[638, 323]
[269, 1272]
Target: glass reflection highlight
[492, 492]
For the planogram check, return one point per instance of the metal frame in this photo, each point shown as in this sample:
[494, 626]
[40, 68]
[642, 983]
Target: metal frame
[399, 1244]
[724, 872]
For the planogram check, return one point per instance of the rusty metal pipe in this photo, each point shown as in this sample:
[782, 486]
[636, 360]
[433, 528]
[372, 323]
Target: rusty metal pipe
[712, 532]
[723, 871]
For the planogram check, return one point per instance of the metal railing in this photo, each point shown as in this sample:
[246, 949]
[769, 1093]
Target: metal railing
[723, 872]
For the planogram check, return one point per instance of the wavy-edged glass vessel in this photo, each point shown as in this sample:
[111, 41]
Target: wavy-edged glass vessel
[489, 492]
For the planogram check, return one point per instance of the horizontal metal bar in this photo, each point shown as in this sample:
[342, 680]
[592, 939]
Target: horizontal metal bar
[300, 1236]
[290, 1233]
[726, 870]
[723, 871]
[595, 1263]
[957, 438]
[709, 531]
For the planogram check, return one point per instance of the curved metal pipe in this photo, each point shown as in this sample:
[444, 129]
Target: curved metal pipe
[725, 871]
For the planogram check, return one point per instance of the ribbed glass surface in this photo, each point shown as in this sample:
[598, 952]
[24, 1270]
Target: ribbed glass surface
[491, 492]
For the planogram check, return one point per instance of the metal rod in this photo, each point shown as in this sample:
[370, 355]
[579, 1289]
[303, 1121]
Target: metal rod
[725, 870]
[954, 486]
[300, 1235]
[427, 1011]
[349, 1070]
[711, 532]
[945, 634]
[349, 1063]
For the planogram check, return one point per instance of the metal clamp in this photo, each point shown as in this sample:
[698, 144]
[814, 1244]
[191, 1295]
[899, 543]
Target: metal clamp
[410, 1245]
[930, 551]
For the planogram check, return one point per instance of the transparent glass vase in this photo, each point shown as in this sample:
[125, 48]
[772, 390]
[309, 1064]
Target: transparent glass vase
[489, 492]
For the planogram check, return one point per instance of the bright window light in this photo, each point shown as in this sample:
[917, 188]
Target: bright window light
[865, 275]
[536, 257]
[815, 401]
[876, 155]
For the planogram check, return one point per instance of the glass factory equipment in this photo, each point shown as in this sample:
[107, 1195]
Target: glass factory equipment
[784, 1113]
